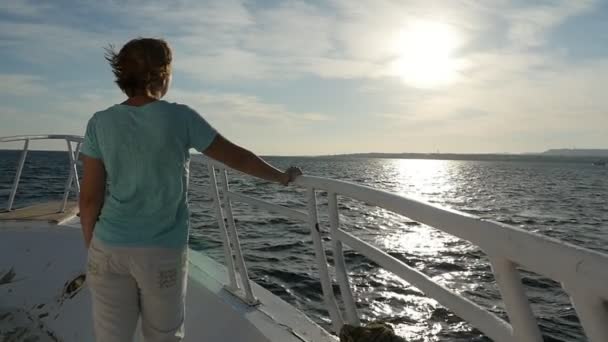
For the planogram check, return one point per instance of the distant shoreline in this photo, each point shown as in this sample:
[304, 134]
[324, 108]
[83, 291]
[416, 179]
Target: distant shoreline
[431, 156]
[472, 157]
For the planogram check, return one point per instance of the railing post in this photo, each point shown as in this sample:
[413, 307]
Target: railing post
[592, 312]
[328, 293]
[341, 273]
[76, 155]
[11, 197]
[517, 305]
[233, 286]
[242, 268]
[73, 174]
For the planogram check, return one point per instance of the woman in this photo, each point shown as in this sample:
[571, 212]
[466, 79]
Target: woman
[136, 228]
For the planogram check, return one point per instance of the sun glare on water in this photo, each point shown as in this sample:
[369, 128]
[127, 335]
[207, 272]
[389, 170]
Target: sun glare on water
[425, 54]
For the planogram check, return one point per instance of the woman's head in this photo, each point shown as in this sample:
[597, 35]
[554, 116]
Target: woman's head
[142, 67]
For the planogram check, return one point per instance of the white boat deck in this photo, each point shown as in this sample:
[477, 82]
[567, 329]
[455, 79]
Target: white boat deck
[46, 212]
[40, 268]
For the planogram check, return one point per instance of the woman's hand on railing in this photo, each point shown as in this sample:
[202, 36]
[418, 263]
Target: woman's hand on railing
[291, 174]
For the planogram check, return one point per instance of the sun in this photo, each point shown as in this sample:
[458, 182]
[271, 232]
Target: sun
[425, 54]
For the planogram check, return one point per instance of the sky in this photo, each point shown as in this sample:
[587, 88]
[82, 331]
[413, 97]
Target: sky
[326, 77]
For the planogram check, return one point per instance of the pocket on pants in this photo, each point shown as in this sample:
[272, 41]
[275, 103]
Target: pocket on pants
[167, 275]
[164, 272]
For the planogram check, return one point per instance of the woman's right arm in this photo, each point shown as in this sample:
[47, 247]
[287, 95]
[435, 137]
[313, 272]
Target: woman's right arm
[238, 158]
[92, 194]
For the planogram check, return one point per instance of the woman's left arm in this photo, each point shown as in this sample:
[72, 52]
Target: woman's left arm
[92, 194]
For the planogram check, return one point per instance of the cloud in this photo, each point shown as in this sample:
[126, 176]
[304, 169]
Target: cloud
[80, 105]
[223, 65]
[271, 43]
[23, 121]
[234, 107]
[191, 16]
[221, 41]
[514, 79]
[24, 8]
[48, 44]
[218, 106]
[231, 40]
[21, 85]
[528, 26]
[522, 112]
[334, 68]
[291, 28]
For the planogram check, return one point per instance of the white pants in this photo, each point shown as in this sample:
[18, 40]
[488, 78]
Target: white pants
[129, 282]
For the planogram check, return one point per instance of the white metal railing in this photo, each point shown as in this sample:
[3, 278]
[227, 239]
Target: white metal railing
[73, 155]
[583, 273]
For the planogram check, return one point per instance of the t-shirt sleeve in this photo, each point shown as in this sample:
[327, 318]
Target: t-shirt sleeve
[200, 132]
[90, 146]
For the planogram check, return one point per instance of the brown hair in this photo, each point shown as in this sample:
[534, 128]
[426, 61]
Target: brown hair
[142, 67]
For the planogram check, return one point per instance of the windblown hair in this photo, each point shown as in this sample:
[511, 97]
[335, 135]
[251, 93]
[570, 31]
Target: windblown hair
[142, 67]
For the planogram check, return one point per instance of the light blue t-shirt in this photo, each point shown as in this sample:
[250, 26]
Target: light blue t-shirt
[146, 155]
